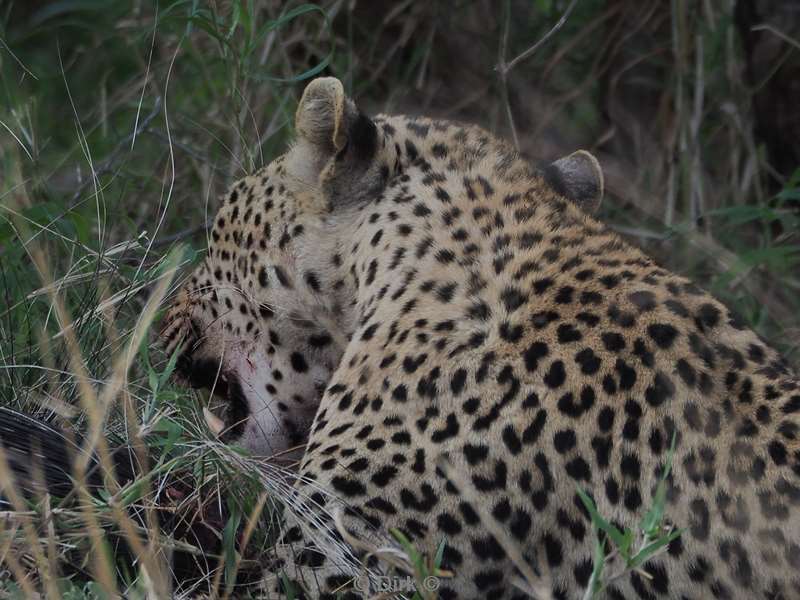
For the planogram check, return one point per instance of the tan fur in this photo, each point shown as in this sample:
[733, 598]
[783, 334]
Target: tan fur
[474, 312]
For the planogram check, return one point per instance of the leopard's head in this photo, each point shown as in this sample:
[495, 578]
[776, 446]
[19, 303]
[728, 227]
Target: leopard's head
[264, 319]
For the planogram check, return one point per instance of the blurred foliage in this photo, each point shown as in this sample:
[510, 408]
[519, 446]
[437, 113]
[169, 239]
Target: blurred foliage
[123, 122]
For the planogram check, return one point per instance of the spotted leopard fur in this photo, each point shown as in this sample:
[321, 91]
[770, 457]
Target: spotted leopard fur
[417, 290]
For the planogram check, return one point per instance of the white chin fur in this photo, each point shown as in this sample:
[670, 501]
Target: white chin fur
[266, 432]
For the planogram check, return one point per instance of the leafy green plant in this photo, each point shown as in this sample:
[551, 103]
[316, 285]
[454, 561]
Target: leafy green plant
[288, 587]
[633, 547]
[427, 570]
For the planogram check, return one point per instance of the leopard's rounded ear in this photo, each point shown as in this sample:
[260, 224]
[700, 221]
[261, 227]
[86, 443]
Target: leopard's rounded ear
[337, 149]
[321, 114]
[579, 178]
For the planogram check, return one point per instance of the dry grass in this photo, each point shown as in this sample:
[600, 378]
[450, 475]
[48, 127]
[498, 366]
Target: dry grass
[121, 127]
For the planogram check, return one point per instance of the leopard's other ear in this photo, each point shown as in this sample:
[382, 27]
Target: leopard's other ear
[321, 116]
[579, 178]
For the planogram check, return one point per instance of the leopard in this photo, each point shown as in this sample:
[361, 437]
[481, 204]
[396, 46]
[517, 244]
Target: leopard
[456, 347]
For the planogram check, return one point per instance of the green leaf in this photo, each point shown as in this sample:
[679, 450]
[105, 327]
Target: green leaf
[237, 15]
[14, 591]
[649, 550]
[439, 556]
[286, 18]
[279, 22]
[774, 257]
[167, 12]
[615, 534]
[170, 368]
[652, 518]
[152, 380]
[414, 555]
[173, 430]
[82, 227]
[56, 9]
[6, 230]
[133, 492]
[596, 580]
[739, 215]
[229, 543]
[104, 546]
[794, 179]
[789, 194]
[288, 587]
[307, 74]
[651, 521]
[627, 538]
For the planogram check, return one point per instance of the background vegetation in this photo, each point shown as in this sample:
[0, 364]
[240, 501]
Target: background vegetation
[122, 122]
